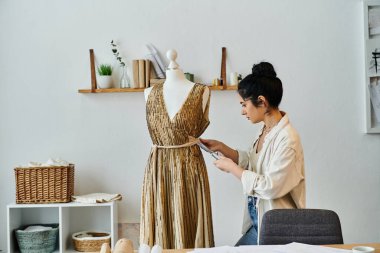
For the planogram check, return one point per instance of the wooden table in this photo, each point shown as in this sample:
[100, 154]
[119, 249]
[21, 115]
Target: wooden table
[350, 246]
[339, 246]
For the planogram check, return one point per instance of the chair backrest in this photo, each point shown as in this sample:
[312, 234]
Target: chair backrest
[310, 226]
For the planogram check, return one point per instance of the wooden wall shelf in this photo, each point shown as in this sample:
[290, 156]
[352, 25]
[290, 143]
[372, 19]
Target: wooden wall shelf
[111, 90]
[228, 87]
[94, 86]
[116, 90]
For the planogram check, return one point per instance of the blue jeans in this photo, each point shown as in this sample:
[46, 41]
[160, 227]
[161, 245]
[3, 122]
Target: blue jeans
[250, 237]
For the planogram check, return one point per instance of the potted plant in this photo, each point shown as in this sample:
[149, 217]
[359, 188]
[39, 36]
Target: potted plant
[104, 76]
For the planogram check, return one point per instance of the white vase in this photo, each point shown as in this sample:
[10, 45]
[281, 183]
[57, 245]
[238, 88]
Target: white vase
[124, 79]
[104, 82]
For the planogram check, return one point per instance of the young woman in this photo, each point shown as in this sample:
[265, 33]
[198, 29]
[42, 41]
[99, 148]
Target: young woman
[272, 170]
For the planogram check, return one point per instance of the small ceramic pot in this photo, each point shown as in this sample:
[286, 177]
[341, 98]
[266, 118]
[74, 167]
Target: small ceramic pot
[104, 82]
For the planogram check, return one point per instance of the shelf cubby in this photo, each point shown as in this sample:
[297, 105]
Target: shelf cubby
[71, 217]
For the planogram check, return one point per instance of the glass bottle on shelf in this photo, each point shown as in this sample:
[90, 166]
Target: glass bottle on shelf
[124, 79]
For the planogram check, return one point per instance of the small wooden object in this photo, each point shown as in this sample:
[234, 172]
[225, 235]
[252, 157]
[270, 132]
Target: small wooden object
[223, 74]
[105, 248]
[93, 73]
[123, 245]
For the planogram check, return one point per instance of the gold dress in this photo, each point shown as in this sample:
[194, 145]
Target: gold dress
[175, 201]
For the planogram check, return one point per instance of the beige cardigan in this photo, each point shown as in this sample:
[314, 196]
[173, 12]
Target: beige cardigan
[278, 178]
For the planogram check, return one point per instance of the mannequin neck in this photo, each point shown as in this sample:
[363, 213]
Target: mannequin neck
[175, 77]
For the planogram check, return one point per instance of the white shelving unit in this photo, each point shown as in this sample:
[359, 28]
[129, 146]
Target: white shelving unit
[371, 42]
[71, 217]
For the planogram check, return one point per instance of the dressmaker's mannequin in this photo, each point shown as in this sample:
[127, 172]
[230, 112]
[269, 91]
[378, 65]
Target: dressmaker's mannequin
[175, 199]
[176, 87]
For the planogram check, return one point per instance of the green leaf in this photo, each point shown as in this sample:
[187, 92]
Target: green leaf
[104, 70]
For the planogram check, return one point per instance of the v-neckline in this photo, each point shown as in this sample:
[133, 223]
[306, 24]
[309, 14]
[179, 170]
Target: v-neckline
[183, 104]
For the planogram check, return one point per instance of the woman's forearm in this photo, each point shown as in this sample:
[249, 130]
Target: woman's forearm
[237, 171]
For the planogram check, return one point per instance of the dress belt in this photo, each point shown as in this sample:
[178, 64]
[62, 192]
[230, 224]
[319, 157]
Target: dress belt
[192, 141]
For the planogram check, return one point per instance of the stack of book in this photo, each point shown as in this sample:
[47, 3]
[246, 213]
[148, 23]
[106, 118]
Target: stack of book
[142, 73]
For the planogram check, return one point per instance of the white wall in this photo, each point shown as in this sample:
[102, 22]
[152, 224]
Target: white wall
[316, 47]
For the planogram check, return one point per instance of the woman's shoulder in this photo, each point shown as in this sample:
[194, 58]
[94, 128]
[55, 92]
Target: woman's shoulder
[289, 137]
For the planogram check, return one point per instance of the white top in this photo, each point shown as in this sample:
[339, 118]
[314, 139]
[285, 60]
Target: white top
[278, 179]
[255, 155]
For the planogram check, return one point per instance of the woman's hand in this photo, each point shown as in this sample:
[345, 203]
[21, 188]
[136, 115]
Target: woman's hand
[213, 145]
[227, 165]
[220, 147]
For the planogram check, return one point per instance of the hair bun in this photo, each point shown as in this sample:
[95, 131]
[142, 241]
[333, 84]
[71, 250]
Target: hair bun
[263, 69]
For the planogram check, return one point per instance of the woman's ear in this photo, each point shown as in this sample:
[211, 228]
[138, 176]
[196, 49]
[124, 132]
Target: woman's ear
[262, 101]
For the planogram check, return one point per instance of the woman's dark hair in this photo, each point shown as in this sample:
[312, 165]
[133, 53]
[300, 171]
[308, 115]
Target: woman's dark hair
[263, 81]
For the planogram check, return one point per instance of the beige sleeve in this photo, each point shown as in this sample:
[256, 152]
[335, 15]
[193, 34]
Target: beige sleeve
[281, 176]
[248, 179]
[243, 159]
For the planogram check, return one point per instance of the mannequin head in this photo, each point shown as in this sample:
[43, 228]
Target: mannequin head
[172, 56]
[173, 72]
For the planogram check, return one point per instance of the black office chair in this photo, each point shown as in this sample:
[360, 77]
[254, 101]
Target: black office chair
[310, 226]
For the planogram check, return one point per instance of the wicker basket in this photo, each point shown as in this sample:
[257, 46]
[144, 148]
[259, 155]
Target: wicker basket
[87, 241]
[38, 241]
[44, 184]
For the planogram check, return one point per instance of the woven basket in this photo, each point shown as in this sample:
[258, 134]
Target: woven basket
[87, 241]
[38, 241]
[44, 184]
